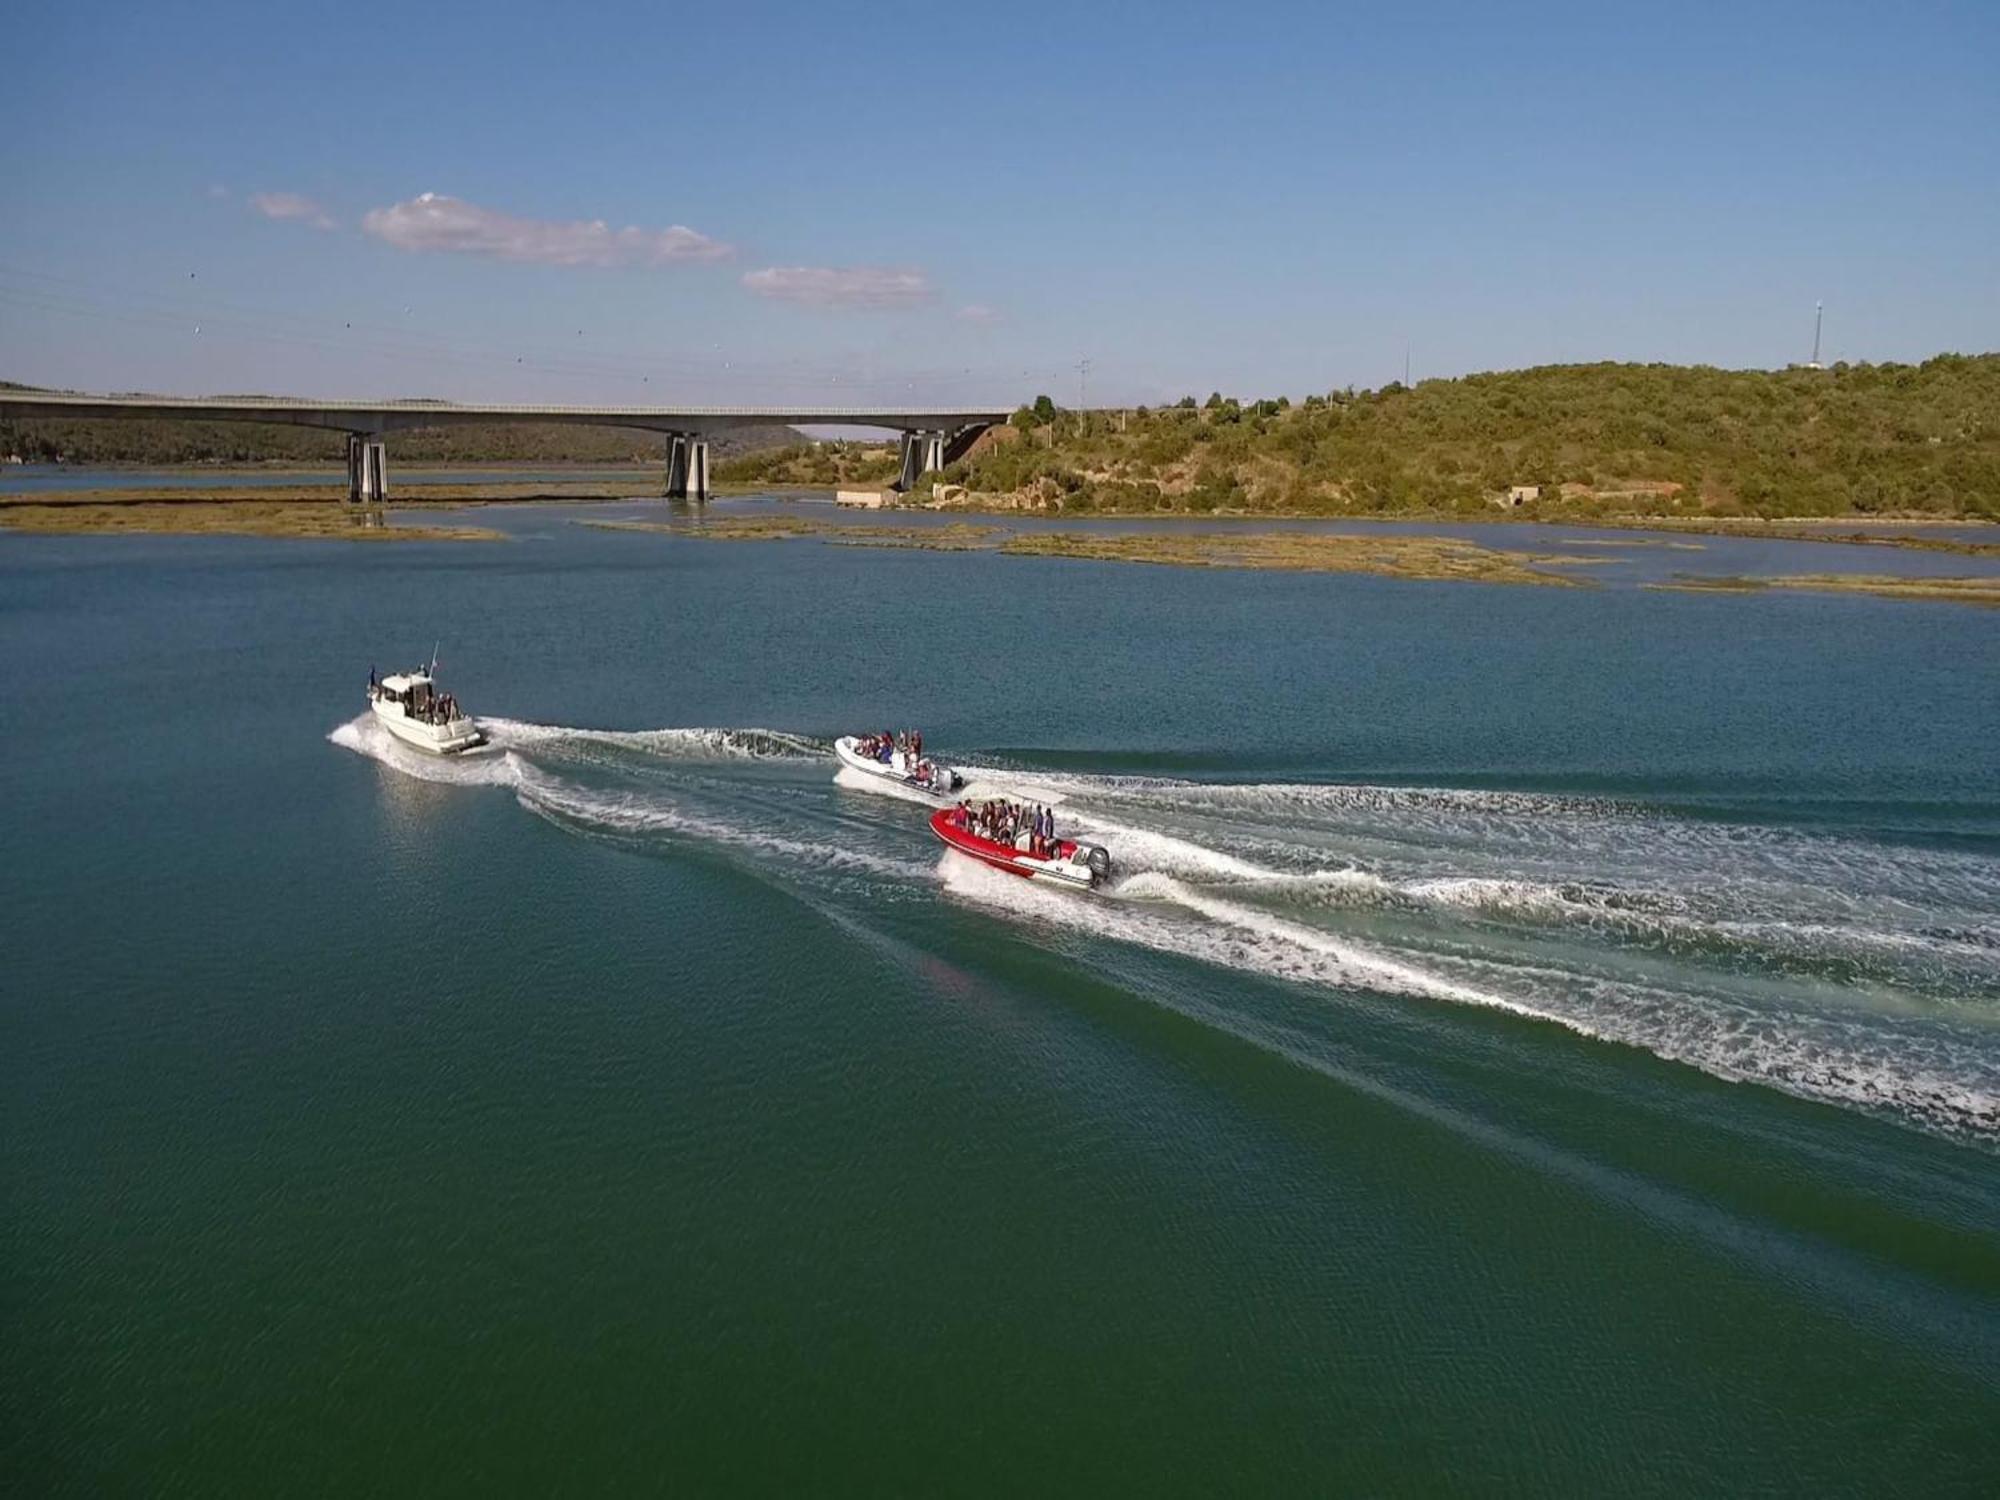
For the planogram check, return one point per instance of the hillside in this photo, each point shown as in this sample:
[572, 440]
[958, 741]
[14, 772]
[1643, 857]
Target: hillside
[1596, 439]
[159, 443]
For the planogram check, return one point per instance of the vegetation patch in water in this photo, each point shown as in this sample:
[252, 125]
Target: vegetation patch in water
[1632, 542]
[331, 522]
[958, 537]
[729, 529]
[1388, 556]
[1982, 591]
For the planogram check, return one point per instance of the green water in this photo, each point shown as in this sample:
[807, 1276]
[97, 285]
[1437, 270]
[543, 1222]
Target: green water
[1535, 1040]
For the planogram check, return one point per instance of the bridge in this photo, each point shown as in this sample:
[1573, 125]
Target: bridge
[931, 438]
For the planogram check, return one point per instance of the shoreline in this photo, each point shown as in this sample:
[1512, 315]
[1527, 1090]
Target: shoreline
[321, 511]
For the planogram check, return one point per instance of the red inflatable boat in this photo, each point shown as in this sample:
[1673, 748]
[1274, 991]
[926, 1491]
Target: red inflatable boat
[1065, 861]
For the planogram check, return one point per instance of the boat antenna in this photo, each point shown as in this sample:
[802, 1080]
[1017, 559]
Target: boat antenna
[434, 658]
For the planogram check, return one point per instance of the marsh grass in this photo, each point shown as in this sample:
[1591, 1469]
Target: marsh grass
[1392, 556]
[1980, 591]
[204, 518]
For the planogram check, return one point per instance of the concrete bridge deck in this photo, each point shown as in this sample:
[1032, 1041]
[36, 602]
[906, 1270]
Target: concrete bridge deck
[931, 435]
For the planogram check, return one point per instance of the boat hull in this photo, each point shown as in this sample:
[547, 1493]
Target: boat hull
[454, 738]
[1063, 871]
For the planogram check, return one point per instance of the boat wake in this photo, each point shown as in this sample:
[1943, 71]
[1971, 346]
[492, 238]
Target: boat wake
[692, 744]
[1837, 970]
[1834, 968]
[610, 784]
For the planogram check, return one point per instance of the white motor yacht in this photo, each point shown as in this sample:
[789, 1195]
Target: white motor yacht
[409, 706]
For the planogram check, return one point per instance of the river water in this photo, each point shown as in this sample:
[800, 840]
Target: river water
[1534, 1039]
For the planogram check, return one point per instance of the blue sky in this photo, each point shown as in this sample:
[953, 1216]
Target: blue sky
[835, 203]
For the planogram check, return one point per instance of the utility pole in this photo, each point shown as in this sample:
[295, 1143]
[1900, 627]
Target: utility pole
[1819, 312]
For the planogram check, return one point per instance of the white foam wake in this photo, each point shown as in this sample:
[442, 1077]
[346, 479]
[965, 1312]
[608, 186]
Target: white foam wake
[488, 766]
[688, 744]
[1944, 1080]
[1233, 937]
[1361, 965]
[632, 813]
[881, 786]
[644, 813]
[1824, 967]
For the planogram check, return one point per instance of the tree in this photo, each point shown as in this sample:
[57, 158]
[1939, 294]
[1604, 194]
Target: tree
[1045, 410]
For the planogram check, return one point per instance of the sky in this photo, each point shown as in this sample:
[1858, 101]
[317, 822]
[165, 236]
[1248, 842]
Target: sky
[826, 204]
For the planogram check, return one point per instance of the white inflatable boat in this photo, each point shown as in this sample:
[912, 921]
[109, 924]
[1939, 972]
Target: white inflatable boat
[922, 777]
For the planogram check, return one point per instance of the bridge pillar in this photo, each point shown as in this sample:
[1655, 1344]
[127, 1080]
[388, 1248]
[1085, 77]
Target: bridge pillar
[367, 469]
[923, 453]
[687, 466]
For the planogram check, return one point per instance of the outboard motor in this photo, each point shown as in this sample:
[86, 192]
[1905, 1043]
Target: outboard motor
[1099, 860]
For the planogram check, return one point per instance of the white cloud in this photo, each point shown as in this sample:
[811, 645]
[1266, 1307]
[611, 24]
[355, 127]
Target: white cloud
[434, 221]
[841, 286]
[978, 312]
[292, 206]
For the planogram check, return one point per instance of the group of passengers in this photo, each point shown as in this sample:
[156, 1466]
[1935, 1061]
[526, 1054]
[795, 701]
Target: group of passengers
[903, 749]
[440, 708]
[895, 748]
[1028, 827]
